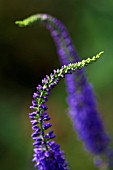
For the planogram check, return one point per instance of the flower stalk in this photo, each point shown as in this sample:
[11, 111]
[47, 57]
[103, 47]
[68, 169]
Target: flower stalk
[47, 154]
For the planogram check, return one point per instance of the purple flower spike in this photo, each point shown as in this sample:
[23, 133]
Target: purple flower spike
[47, 154]
[81, 99]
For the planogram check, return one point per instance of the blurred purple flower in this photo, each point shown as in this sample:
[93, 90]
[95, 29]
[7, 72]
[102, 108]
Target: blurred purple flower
[81, 99]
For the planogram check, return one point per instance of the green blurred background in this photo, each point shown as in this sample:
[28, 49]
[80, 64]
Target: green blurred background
[28, 54]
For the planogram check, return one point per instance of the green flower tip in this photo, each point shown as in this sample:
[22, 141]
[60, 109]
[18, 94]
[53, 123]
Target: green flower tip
[28, 21]
[19, 23]
[94, 58]
[98, 55]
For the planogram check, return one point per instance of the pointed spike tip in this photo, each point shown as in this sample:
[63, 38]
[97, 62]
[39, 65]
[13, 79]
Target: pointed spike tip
[28, 21]
[99, 54]
[19, 23]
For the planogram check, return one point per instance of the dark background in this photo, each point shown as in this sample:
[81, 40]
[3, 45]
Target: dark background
[28, 54]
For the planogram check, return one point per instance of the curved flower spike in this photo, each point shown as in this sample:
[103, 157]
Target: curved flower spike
[47, 154]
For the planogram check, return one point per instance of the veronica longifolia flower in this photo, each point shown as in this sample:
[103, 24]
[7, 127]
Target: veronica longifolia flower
[81, 99]
[47, 154]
